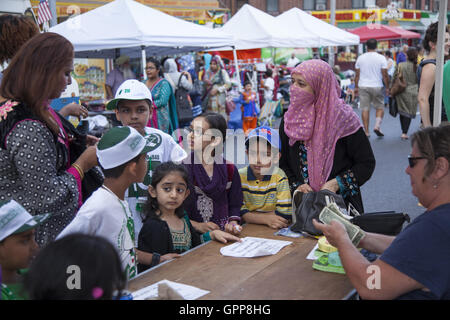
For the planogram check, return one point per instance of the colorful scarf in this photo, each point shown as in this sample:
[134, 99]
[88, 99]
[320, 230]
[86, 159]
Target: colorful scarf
[214, 188]
[319, 119]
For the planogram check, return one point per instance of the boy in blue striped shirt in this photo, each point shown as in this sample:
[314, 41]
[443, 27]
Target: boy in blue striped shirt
[267, 199]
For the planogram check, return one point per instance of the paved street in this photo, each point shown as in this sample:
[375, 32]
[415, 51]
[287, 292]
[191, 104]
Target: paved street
[389, 187]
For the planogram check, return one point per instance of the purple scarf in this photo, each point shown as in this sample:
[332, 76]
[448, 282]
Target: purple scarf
[208, 200]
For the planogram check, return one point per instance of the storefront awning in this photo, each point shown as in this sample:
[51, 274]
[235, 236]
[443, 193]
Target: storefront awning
[407, 25]
[412, 25]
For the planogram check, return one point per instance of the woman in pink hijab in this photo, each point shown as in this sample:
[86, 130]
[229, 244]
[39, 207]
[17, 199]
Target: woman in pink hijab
[323, 142]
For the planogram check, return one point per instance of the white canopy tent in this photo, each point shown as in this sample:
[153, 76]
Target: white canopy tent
[129, 27]
[253, 28]
[324, 33]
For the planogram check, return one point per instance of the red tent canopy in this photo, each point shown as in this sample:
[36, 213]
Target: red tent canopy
[383, 32]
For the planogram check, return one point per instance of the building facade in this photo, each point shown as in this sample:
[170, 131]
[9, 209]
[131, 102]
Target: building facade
[198, 11]
[276, 7]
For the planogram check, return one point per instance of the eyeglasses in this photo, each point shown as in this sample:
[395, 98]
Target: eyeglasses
[196, 132]
[413, 160]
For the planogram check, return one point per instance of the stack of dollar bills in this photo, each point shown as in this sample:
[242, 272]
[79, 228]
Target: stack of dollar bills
[332, 212]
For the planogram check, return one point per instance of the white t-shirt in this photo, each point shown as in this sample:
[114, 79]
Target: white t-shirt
[370, 65]
[269, 85]
[292, 62]
[164, 149]
[105, 215]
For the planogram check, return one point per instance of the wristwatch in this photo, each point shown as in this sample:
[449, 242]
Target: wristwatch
[155, 259]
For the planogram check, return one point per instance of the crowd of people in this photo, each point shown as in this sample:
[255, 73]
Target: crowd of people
[156, 199]
[377, 74]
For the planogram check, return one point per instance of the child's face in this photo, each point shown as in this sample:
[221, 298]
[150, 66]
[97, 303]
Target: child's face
[248, 87]
[170, 192]
[16, 251]
[198, 136]
[261, 157]
[134, 113]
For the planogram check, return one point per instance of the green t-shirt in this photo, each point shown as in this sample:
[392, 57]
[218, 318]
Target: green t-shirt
[14, 291]
[446, 91]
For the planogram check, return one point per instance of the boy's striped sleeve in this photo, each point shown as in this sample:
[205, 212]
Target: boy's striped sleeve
[284, 201]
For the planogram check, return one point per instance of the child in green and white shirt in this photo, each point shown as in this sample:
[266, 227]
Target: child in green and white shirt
[17, 247]
[122, 155]
[133, 107]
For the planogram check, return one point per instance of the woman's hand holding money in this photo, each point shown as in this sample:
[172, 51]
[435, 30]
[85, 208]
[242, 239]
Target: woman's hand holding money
[334, 232]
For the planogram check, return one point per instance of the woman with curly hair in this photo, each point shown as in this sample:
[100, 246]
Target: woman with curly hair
[14, 32]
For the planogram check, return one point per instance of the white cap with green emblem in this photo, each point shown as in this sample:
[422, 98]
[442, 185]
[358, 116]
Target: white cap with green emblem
[120, 145]
[15, 219]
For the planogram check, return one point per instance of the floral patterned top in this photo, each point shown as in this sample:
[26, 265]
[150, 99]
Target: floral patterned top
[33, 170]
[348, 185]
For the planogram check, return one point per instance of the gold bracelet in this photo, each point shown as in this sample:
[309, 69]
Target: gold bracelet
[80, 171]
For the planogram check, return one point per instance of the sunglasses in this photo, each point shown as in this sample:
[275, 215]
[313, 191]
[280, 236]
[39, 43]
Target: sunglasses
[413, 160]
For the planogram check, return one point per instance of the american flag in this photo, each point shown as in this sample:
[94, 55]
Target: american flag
[44, 13]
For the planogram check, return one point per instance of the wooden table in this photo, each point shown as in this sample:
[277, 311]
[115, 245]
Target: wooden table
[284, 276]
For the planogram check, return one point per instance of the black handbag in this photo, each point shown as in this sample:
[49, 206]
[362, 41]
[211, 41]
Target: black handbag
[183, 102]
[93, 178]
[307, 206]
[393, 108]
[388, 223]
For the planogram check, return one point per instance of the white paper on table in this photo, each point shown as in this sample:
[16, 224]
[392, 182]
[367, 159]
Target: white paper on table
[254, 247]
[311, 255]
[186, 291]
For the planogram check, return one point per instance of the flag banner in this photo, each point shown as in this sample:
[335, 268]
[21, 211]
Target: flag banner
[44, 13]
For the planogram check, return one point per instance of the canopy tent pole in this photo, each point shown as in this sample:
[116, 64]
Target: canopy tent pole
[236, 65]
[439, 63]
[332, 22]
[144, 62]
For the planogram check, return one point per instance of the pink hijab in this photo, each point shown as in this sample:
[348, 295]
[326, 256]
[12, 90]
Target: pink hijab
[318, 119]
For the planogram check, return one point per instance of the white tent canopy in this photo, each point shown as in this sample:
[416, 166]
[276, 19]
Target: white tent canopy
[129, 25]
[324, 33]
[253, 28]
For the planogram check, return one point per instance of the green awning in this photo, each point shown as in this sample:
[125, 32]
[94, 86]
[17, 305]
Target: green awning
[412, 25]
[350, 25]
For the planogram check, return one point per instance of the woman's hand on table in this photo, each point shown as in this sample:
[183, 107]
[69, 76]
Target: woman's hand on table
[222, 236]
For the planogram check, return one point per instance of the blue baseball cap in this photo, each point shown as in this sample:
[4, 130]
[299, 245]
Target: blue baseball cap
[267, 133]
